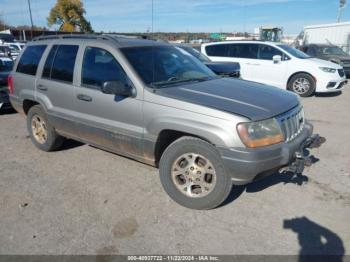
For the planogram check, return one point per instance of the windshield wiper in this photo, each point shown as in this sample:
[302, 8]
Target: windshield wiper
[174, 81]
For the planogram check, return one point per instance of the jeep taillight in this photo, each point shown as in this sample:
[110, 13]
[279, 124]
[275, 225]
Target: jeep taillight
[10, 84]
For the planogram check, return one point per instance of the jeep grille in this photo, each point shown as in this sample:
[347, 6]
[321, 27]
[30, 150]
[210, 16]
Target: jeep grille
[292, 123]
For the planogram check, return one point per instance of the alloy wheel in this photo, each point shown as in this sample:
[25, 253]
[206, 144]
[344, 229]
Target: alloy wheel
[193, 175]
[301, 86]
[39, 129]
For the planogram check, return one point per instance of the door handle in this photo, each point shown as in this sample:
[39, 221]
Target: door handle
[84, 97]
[42, 87]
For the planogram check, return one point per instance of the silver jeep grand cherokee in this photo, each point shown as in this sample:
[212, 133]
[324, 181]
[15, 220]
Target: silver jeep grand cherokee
[157, 104]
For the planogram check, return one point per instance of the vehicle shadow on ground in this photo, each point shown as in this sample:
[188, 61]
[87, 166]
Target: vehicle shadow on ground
[332, 94]
[260, 185]
[317, 243]
[9, 111]
[277, 178]
[285, 177]
[70, 144]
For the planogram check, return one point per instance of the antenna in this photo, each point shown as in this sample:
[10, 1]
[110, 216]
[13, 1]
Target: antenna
[31, 20]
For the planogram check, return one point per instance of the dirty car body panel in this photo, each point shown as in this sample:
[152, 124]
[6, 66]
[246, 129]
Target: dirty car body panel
[131, 126]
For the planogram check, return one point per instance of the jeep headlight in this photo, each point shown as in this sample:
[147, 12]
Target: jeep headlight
[260, 133]
[328, 69]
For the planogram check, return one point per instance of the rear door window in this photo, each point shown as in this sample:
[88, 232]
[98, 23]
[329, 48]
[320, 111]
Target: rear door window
[60, 62]
[217, 50]
[28, 64]
[49, 62]
[63, 64]
[249, 51]
[100, 66]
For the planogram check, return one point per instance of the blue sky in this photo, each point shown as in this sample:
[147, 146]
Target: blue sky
[186, 15]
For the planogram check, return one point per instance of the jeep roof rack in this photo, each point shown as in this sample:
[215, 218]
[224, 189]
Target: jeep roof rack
[121, 40]
[75, 36]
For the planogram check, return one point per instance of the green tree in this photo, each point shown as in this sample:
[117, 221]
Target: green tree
[69, 15]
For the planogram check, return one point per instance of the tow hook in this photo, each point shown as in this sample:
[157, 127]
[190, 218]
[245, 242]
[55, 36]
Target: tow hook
[314, 141]
[301, 159]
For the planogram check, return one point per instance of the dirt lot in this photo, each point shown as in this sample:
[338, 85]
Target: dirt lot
[82, 200]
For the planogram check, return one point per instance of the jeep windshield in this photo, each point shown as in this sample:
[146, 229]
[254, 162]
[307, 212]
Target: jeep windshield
[294, 52]
[162, 66]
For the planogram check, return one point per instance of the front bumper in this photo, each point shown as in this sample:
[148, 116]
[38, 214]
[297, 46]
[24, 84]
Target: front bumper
[246, 164]
[327, 83]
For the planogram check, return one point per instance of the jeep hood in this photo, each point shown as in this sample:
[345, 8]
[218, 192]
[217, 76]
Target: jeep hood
[249, 99]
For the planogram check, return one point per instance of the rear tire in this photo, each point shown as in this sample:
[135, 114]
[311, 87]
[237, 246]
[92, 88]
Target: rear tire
[193, 174]
[42, 134]
[302, 84]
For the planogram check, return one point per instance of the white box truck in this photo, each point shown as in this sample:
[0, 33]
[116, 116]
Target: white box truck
[336, 34]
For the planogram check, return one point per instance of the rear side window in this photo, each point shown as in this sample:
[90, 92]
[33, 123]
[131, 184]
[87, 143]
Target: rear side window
[28, 64]
[249, 51]
[217, 50]
[100, 66]
[60, 63]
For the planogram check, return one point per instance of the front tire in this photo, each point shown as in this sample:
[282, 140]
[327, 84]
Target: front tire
[42, 133]
[193, 174]
[302, 84]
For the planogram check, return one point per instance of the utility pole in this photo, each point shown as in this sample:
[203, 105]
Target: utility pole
[342, 4]
[31, 20]
[152, 25]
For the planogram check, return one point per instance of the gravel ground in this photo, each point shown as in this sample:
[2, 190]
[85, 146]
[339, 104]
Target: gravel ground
[82, 200]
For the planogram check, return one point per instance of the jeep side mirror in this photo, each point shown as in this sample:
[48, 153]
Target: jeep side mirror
[118, 88]
[277, 59]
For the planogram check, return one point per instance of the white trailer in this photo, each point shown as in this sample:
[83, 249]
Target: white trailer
[336, 34]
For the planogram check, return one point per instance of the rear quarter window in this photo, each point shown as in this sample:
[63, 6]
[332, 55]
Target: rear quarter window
[28, 64]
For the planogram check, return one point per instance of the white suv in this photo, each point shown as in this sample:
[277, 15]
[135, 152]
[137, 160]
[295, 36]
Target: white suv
[279, 65]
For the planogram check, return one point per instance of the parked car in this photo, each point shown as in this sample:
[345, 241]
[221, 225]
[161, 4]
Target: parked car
[6, 65]
[8, 38]
[18, 46]
[279, 65]
[5, 51]
[14, 52]
[151, 102]
[331, 53]
[226, 69]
